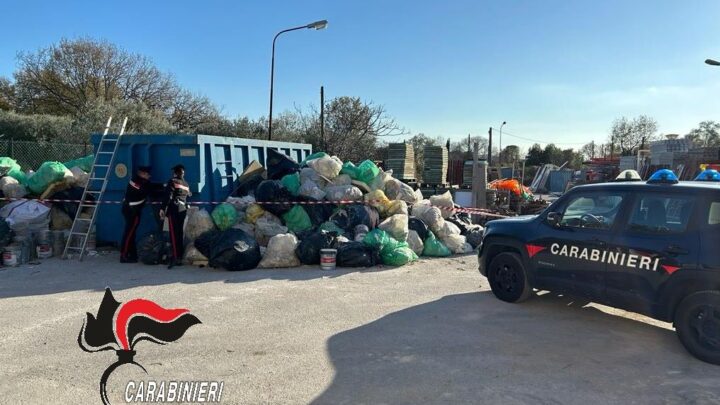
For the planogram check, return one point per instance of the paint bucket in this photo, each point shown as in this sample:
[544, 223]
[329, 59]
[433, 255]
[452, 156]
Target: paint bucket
[327, 259]
[11, 255]
[44, 245]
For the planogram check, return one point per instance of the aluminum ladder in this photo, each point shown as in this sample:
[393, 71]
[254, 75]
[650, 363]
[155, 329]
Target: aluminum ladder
[87, 210]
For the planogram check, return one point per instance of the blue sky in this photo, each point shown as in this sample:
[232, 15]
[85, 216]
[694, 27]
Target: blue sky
[556, 71]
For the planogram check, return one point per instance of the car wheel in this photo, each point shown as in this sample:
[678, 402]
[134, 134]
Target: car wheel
[508, 279]
[697, 322]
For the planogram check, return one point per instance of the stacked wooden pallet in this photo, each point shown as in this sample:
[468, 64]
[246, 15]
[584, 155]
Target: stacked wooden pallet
[401, 159]
[436, 165]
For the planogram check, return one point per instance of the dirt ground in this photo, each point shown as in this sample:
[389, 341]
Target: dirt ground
[430, 332]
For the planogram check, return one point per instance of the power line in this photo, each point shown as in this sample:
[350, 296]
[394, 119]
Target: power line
[538, 141]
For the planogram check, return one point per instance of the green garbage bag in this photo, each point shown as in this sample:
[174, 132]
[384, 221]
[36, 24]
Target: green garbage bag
[225, 216]
[398, 257]
[316, 155]
[292, 183]
[367, 171]
[297, 219]
[9, 167]
[434, 247]
[84, 163]
[350, 169]
[48, 173]
[331, 226]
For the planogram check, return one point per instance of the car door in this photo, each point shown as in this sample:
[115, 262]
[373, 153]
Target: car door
[567, 254]
[659, 238]
[709, 223]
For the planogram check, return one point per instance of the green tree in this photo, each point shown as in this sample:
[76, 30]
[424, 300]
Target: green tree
[536, 156]
[706, 134]
[626, 135]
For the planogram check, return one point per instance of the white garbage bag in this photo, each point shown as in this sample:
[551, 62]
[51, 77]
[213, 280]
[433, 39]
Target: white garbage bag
[80, 178]
[280, 252]
[429, 214]
[198, 222]
[326, 166]
[397, 190]
[416, 244]
[267, 226]
[447, 230]
[443, 201]
[308, 174]
[396, 226]
[26, 216]
[456, 243]
[11, 188]
[341, 180]
[311, 189]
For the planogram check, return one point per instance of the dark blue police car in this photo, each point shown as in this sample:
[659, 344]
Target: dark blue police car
[649, 247]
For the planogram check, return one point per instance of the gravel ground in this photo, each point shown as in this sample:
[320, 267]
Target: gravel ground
[430, 332]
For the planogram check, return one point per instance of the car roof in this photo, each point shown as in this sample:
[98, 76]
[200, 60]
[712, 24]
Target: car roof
[695, 186]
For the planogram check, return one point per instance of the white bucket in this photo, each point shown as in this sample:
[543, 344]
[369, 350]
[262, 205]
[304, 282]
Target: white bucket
[11, 255]
[327, 259]
[44, 250]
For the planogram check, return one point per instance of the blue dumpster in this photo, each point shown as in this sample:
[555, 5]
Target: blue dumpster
[212, 163]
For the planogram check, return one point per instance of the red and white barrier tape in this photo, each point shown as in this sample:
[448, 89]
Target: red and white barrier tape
[474, 211]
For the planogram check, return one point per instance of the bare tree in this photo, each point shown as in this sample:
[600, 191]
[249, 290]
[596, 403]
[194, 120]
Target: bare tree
[628, 134]
[7, 94]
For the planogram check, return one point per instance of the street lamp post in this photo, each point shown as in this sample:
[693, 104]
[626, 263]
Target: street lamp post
[712, 62]
[500, 143]
[317, 25]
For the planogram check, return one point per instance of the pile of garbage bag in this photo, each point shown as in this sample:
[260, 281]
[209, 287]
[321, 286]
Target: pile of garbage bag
[291, 211]
[513, 186]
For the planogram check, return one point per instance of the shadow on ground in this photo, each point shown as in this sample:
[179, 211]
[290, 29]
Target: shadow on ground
[95, 273]
[472, 348]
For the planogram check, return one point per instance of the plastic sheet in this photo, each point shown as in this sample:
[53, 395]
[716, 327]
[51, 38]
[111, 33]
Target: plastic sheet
[225, 216]
[341, 180]
[26, 215]
[278, 165]
[434, 247]
[415, 243]
[326, 166]
[396, 226]
[280, 252]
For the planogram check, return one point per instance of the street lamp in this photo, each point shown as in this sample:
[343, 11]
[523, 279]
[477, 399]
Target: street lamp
[712, 62]
[317, 25]
[500, 157]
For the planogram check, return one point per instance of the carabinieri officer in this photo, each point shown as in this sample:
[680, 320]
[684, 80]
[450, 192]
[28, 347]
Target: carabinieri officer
[175, 208]
[136, 195]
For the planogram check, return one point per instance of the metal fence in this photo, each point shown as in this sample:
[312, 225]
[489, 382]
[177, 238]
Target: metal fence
[30, 154]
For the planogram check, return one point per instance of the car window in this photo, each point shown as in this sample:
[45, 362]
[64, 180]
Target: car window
[714, 214]
[597, 211]
[659, 214]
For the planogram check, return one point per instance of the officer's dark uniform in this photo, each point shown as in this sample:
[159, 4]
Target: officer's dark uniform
[175, 206]
[136, 195]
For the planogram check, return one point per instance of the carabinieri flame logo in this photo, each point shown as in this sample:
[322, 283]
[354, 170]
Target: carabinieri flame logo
[120, 327]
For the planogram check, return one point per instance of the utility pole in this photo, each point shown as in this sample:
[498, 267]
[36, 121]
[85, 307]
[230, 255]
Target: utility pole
[489, 158]
[322, 117]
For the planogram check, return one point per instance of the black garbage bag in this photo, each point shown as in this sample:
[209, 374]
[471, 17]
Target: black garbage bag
[417, 225]
[356, 254]
[462, 221]
[234, 250]
[279, 165]
[274, 192]
[359, 214]
[247, 186]
[341, 219]
[308, 250]
[73, 193]
[318, 213]
[6, 234]
[205, 242]
[154, 248]
[474, 237]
